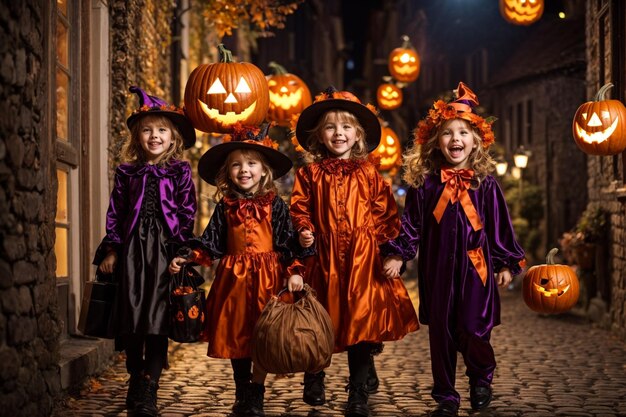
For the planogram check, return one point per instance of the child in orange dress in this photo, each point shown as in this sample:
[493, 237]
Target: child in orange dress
[342, 204]
[250, 232]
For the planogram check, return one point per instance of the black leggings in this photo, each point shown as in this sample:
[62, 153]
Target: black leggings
[146, 354]
[358, 361]
[242, 369]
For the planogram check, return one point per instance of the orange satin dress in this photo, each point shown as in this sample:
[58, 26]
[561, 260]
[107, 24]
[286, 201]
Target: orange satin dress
[248, 274]
[351, 210]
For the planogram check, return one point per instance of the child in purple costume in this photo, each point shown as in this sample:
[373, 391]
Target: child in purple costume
[456, 215]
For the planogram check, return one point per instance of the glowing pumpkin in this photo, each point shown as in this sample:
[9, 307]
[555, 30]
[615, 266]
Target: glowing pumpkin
[521, 12]
[404, 63]
[599, 125]
[289, 95]
[389, 96]
[221, 94]
[550, 288]
[388, 151]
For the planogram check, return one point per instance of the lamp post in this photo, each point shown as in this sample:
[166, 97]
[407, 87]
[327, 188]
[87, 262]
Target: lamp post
[520, 158]
[501, 166]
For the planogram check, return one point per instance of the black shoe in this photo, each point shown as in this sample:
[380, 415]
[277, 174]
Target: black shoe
[133, 396]
[254, 400]
[446, 408]
[480, 397]
[241, 391]
[372, 383]
[314, 393]
[357, 401]
[146, 406]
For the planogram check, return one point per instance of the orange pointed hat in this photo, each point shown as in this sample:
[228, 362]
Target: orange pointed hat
[461, 108]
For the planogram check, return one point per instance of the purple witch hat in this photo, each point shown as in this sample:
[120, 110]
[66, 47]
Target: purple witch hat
[151, 105]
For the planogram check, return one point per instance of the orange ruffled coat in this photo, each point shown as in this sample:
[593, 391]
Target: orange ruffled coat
[351, 210]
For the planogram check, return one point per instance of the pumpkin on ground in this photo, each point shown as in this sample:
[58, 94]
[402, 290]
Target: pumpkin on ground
[599, 126]
[521, 12]
[404, 62]
[289, 95]
[219, 95]
[550, 288]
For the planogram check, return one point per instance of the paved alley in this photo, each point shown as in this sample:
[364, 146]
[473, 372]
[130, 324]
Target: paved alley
[547, 366]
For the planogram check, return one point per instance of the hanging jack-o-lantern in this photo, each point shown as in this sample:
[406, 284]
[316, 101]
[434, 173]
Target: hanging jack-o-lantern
[221, 94]
[550, 288]
[404, 62]
[389, 152]
[599, 126]
[389, 96]
[521, 12]
[289, 95]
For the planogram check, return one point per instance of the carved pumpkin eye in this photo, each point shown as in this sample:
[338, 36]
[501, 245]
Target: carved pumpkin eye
[216, 88]
[242, 86]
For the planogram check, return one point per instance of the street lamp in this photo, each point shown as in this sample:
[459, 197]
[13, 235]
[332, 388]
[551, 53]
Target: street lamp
[501, 167]
[520, 158]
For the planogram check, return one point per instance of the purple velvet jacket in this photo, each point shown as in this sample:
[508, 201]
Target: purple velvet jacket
[450, 287]
[178, 203]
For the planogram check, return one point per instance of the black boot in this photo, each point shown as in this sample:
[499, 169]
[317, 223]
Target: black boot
[147, 405]
[254, 400]
[241, 389]
[133, 396]
[314, 393]
[357, 401]
[372, 383]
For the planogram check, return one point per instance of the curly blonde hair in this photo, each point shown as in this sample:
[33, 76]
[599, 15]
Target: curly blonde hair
[421, 160]
[226, 187]
[132, 152]
[318, 151]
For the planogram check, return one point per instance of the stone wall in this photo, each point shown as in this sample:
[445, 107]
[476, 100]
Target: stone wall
[606, 184]
[29, 321]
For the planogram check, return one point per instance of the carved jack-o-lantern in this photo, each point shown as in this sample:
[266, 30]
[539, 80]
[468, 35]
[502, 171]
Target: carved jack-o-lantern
[193, 312]
[599, 126]
[221, 94]
[550, 288]
[289, 95]
[521, 12]
[388, 151]
[389, 96]
[404, 63]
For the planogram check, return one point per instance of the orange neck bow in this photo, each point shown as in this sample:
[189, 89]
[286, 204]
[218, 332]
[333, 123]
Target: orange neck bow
[457, 182]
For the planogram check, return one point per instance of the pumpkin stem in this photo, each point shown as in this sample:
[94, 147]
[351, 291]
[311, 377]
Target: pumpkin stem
[277, 68]
[225, 54]
[550, 256]
[406, 42]
[602, 92]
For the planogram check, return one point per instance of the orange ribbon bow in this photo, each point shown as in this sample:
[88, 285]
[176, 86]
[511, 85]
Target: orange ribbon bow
[457, 183]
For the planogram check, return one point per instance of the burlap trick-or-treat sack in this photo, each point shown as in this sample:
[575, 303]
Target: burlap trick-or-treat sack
[293, 337]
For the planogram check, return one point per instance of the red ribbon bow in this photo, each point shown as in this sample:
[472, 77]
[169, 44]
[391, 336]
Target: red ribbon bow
[248, 207]
[457, 183]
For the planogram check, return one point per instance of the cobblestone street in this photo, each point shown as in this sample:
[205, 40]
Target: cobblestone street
[547, 366]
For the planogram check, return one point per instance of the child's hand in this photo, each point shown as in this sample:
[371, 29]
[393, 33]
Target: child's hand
[306, 238]
[176, 264]
[392, 266]
[295, 283]
[107, 266]
[504, 277]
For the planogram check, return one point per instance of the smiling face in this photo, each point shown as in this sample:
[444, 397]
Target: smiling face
[521, 12]
[339, 135]
[289, 95]
[155, 137]
[550, 288]
[245, 170]
[457, 142]
[389, 96]
[404, 64]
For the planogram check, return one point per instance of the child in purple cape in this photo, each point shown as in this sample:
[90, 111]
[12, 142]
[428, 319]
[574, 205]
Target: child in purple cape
[151, 211]
[456, 215]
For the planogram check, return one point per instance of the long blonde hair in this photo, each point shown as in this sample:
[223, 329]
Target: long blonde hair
[226, 187]
[132, 151]
[318, 151]
[421, 160]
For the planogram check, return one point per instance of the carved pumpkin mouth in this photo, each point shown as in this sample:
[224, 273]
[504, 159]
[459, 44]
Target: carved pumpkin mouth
[552, 291]
[595, 137]
[286, 101]
[388, 102]
[405, 69]
[230, 117]
[525, 17]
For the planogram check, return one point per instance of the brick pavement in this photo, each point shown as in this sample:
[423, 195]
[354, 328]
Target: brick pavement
[547, 366]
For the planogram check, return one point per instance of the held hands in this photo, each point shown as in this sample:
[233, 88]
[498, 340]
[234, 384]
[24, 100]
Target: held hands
[306, 238]
[392, 266]
[176, 264]
[107, 266]
[295, 283]
[504, 277]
